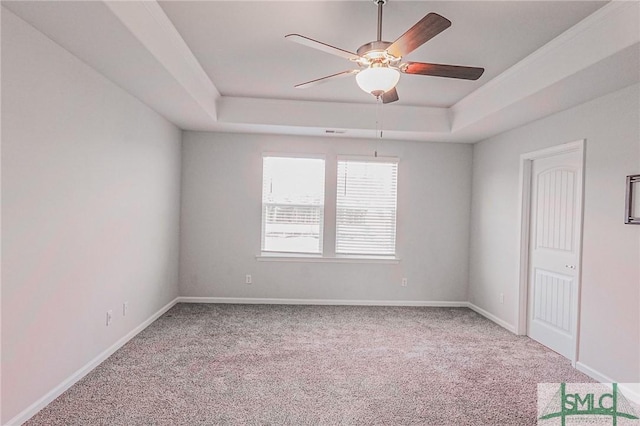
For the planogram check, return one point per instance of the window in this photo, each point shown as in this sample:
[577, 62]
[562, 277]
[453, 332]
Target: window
[366, 207]
[292, 204]
[363, 191]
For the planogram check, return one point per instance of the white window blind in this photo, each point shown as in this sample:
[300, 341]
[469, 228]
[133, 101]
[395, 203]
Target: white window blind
[366, 207]
[292, 204]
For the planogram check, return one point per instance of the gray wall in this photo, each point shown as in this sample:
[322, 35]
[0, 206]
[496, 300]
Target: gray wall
[221, 222]
[610, 305]
[90, 214]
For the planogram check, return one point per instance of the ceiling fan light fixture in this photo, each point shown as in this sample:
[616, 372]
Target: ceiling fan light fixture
[380, 62]
[377, 80]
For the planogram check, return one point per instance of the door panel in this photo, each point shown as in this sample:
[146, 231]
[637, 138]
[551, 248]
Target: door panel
[553, 294]
[556, 202]
[554, 251]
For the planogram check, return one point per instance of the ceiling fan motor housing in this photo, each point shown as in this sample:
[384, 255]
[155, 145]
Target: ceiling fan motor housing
[375, 54]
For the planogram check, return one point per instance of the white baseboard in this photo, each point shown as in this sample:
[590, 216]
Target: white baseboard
[492, 317]
[596, 375]
[631, 391]
[342, 302]
[30, 411]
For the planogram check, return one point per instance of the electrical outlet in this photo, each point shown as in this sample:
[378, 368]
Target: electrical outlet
[109, 317]
[404, 282]
[247, 279]
[125, 308]
[501, 297]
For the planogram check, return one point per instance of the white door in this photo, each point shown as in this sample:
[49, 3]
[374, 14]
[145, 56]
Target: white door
[554, 252]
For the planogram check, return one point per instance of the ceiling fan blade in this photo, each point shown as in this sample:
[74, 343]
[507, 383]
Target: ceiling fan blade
[427, 28]
[325, 79]
[327, 48]
[440, 70]
[390, 96]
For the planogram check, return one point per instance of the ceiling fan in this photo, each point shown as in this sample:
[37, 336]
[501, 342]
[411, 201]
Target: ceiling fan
[380, 62]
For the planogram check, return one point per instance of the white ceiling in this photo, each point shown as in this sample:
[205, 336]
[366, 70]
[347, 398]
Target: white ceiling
[242, 48]
[225, 65]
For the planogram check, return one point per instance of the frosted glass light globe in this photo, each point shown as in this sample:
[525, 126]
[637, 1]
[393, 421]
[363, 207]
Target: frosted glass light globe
[377, 80]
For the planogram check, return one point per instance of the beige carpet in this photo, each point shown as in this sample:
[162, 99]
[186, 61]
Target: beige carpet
[268, 364]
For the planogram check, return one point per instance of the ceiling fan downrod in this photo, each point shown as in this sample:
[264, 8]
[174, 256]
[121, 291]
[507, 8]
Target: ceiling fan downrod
[380, 3]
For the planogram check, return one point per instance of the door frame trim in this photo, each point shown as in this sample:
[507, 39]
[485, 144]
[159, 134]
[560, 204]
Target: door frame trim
[526, 161]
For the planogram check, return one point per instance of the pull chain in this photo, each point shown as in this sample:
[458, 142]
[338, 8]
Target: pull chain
[379, 123]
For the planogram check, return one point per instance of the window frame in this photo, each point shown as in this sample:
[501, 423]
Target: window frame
[329, 214]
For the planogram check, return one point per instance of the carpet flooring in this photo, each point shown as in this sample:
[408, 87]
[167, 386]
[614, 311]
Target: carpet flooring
[205, 364]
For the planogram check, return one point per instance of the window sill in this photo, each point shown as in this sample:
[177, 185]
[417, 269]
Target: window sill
[311, 258]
